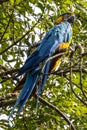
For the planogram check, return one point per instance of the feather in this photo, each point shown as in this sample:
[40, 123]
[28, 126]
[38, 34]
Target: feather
[57, 35]
[45, 76]
[30, 83]
[26, 91]
[54, 37]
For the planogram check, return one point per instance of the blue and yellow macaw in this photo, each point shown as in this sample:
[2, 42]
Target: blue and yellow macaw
[36, 66]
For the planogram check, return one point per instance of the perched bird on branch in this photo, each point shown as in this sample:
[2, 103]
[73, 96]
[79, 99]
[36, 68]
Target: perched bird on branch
[45, 59]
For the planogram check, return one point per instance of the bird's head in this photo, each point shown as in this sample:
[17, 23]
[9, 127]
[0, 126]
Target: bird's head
[69, 17]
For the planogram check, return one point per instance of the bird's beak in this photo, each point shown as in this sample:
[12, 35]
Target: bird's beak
[71, 19]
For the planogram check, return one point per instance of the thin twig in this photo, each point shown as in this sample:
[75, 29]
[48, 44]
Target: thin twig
[20, 38]
[2, 1]
[72, 85]
[7, 26]
[51, 58]
[80, 67]
[3, 67]
[74, 91]
[8, 72]
[5, 102]
[57, 110]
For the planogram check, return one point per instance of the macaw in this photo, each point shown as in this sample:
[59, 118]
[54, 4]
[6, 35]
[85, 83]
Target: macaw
[37, 64]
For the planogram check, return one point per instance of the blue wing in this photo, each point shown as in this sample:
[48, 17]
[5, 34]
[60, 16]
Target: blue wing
[57, 35]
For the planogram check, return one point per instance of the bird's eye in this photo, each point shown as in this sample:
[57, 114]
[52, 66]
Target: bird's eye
[66, 16]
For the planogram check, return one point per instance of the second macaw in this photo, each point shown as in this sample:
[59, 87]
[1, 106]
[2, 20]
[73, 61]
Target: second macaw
[57, 38]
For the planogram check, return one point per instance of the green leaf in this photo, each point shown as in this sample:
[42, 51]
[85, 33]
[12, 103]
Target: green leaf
[18, 1]
[41, 6]
[12, 2]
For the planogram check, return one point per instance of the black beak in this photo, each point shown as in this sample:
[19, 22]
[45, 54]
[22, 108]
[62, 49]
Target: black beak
[71, 19]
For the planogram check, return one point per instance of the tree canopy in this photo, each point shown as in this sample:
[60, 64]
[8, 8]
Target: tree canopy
[63, 104]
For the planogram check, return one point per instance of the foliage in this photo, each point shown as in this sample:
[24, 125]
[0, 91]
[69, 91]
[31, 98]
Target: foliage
[22, 25]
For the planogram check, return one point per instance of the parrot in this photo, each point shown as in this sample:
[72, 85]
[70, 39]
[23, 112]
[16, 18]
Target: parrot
[38, 63]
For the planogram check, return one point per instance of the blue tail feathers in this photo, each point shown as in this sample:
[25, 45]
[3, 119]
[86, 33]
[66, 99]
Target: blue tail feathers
[45, 76]
[26, 91]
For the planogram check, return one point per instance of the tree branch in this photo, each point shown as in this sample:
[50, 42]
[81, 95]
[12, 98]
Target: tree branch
[5, 102]
[77, 47]
[3, 67]
[6, 26]
[8, 72]
[21, 37]
[2, 1]
[58, 111]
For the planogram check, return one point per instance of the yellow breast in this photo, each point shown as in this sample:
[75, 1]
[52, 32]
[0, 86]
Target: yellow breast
[65, 45]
